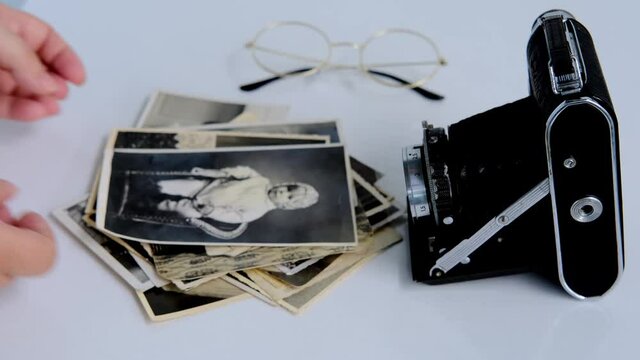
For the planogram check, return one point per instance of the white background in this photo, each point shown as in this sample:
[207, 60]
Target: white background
[81, 310]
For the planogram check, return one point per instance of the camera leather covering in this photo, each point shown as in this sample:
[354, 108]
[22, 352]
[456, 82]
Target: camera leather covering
[493, 158]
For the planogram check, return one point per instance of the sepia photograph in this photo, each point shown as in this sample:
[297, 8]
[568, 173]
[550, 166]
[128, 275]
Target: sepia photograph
[161, 305]
[90, 207]
[189, 266]
[240, 280]
[303, 275]
[109, 251]
[298, 301]
[329, 128]
[280, 287]
[217, 288]
[165, 110]
[188, 285]
[271, 196]
[294, 267]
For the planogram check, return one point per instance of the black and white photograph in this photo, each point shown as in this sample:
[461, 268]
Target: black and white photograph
[217, 288]
[161, 305]
[368, 173]
[150, 271]
[240, 280]
[294, 267]
[270, 196]
[302, 296]
[385, 217]
[179, 262]
[188, 285]
[371, 200]
[299, 301]
[310, 269]
[135, 248]
[167, 110]
[330, 128]
[171, 139]
[109, 251]
[90, 207]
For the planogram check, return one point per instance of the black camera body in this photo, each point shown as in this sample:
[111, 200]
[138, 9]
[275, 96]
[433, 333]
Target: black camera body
[533, 185]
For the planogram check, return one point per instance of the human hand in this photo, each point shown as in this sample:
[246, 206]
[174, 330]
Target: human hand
[36, 65]
[26, 244]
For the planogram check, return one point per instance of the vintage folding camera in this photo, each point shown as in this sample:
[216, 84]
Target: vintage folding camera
[533, 185]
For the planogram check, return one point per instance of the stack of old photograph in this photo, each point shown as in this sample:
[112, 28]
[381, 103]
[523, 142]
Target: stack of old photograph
[207, 202]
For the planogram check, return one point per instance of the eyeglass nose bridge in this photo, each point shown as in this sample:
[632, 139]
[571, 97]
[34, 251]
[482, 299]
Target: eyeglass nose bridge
[347, 44]
[350, 44]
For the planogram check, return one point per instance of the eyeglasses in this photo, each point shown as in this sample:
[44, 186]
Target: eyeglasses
[392, 57]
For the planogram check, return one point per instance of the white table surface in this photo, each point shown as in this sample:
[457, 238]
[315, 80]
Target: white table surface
[81, 310]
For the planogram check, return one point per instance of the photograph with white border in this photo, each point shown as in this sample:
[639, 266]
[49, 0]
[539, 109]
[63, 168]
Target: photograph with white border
[165, 109]
[269, 196]
[109, 251]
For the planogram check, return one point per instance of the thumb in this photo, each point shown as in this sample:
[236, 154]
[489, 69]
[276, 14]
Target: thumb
[27, 247]
[24, 64]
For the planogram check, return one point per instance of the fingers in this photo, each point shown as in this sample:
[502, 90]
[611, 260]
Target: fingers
[7, 83]
[61, 58]
[26, 244]
[9, 86]
[35, 63]
[35, 66]
[27, 247]
[27, 109]
[54, 52]
[5, 280]
[24, 64]
[62, 89]
[35, 222]
[5, 214]
[7, 190]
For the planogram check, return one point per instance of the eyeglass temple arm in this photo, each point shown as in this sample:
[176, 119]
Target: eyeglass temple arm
[425, 93]
[258, 84]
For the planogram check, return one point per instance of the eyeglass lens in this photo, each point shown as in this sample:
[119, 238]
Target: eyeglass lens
[409, 56]
[290, 47]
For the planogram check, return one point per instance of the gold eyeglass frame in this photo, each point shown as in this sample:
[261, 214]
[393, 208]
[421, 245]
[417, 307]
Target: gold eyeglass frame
[325, 63]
